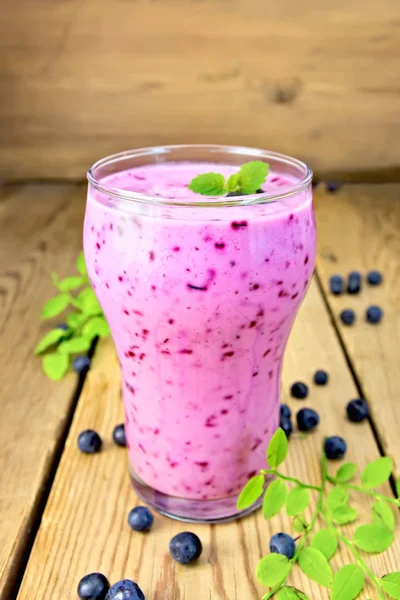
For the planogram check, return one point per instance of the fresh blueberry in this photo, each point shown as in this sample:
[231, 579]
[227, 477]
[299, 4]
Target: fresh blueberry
[89, 441]
[374, 314]
[62, 326]
[286, 424]
[299, 390]
[335, 447]
[348, 316]
[336, 284]
[374, 277]
[93, 587]
[332, 186]
[119, 436]
[140, 518]
[307, 419]
[125, 590]
[282, 543]
[81, 364]
[321, 377]
[286, 413]
[354, 282]
[260, 191]
[357, 410]
[185, 547]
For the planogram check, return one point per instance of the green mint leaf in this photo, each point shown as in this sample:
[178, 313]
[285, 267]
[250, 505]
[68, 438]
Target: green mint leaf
[74, 345]
[70, 283]
[96, 326]
[55, 366]
[346, 472]
[383, 514]
[391, 584]
[233, 183]
[208, 184]
[55, 279]
[325, 541]
[314, 564]
[398, 487]
[272, 569]
[55, 306]
[373, 538]
[347, 583]
[377, 472]
[291, 593]
[338, 496]
[88, 302]
[277, 449]
[76, 319]
[81, 265]
[251, 492]
[299, 524]
[297, 502]
[274, 498]
[341, 515]
[49, 339]
[252, 175]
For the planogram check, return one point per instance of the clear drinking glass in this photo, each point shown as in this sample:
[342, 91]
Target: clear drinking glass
[200, 295]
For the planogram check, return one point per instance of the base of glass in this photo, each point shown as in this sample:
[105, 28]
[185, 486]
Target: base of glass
[217, 510]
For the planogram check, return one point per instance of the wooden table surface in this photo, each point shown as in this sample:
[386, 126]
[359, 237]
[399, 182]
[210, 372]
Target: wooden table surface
[63, 514]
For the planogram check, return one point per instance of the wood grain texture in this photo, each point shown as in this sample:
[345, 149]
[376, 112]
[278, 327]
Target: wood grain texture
[40, 232]
[82, 79]
[359, 229]
[84, 526]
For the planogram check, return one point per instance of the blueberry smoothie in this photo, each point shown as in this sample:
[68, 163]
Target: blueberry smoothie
[200, 300]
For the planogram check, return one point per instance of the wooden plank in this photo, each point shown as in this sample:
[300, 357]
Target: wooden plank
[40, 232]
[84, 526]
[359, 229]
[317, 80]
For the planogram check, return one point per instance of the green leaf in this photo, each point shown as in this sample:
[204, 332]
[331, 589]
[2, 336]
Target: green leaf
[291, 593]
[297, 502]
[346, 472]
[373, 537]
[88, 302]
[338, 496]
[272, 569]
[398, 487]
[55, 306]
[70, 283]
[341, 515]
[274, 498]
[76, 319]
[277, 449]
[74, 345]
[383, 514]
[314, 564]
[347, 583]
[377, 472]
[49, 339]
[252, 175]
[55, 366]
[208, 184]
[251, 492]
[391, 584]
[299, 524]
[325, 541]
[81, 265]
[233, 184]
[96, 326]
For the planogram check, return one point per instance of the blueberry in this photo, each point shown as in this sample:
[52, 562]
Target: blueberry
[62, 326]
[336, 284]
[89, 441]
[286, 425]
[286, 413]
[374, 314]
[93, 587]
[332, 186]
[80, 364]
[347, 316]
[354, 282]
[119, 436]
[140, 518]
[299, 390]
[307, 419]
[321, 377]
[374, 278]
[335, 447]
[185, 547]
[282, 543]
[357, 410]
[125, 590]
[232, 194]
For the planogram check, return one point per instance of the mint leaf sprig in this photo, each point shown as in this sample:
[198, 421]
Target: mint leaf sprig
[85, 323]
[332, 509]
[248, 180]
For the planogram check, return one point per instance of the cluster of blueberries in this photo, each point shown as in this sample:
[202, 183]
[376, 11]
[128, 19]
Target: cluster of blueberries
[373, 314]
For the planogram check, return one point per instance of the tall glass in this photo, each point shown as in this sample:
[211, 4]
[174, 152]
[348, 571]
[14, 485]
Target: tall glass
[200, 295]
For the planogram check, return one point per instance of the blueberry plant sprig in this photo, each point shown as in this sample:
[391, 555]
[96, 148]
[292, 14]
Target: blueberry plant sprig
[246, 181]
[317, 544]
[82, 325]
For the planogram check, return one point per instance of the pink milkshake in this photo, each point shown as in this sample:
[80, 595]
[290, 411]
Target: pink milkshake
[200, 295]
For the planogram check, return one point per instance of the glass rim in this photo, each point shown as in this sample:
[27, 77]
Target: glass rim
[251, 199]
